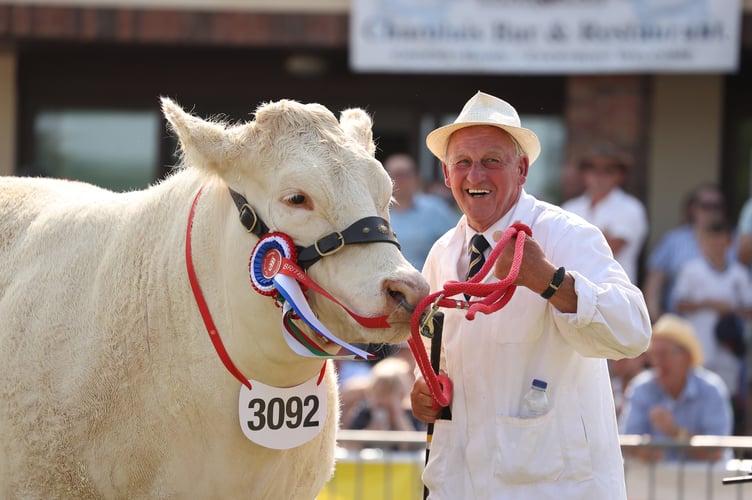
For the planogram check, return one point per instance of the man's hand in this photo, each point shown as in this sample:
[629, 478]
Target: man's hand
[536, 272]
[423, 405]
[534, 268]
[662, 420]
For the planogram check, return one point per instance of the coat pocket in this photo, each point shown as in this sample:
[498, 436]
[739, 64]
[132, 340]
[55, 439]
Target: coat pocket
[529, 450]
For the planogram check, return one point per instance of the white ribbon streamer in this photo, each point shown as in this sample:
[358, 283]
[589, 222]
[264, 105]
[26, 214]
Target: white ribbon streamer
[289, 288]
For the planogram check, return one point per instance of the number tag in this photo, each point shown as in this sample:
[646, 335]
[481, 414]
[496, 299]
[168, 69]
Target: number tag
[282, 417]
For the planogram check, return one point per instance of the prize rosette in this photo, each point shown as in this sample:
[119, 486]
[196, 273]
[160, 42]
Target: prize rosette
[269, 278]
[266, 261]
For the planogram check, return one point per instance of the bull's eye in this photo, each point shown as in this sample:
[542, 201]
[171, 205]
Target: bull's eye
[296, 199]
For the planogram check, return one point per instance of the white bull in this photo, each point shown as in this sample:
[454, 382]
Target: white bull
[110, 386]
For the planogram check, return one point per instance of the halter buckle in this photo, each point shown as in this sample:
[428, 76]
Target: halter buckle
[339, 244]
[245, 209]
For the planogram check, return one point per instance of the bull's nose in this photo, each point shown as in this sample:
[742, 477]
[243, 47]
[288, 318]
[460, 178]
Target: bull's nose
[407, 290]
[407, 306]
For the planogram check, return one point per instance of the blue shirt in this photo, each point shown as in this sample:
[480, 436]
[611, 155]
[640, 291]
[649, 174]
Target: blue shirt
[703, 407]
[677, 247]
[419, 226]
[745, 218]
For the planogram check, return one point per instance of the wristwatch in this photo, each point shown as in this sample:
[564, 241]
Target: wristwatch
[555, 283]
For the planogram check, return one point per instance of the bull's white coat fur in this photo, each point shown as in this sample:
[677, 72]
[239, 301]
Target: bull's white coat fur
[109, 384]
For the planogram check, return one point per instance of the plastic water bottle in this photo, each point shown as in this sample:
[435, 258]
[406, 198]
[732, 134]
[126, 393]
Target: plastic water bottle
[535, 401]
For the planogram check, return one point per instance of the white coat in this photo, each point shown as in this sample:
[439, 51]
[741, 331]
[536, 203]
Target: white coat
[486, 451]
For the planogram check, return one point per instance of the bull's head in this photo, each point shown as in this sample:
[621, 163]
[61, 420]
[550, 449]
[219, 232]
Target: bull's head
[307, 175]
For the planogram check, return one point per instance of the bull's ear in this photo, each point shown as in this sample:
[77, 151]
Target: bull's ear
[358, 125]
[206, 145]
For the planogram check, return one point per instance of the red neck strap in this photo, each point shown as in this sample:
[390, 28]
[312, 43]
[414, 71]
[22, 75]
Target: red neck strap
[201, 302]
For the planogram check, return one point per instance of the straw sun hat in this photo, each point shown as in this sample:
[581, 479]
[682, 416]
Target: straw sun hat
[485, 109]
[680, 331]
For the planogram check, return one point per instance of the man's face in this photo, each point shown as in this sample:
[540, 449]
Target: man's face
[485, 173]
[403, 174]
[707, 206]
[670, 362]
[714, 244]
[601, 174]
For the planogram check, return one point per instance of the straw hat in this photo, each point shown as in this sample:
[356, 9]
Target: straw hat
[680, 331]
[485, 109]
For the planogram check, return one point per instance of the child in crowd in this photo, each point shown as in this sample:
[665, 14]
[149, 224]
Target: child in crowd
[386, 406]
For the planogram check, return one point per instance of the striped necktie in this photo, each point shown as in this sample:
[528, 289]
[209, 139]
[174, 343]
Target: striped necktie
[478, 245]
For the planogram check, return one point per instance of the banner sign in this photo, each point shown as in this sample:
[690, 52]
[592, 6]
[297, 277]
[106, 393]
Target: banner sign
[545, 36]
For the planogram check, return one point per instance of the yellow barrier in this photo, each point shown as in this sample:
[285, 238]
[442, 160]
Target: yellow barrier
[374, 475]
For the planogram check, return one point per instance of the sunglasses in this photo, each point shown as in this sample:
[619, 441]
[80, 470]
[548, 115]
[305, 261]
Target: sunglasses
[710, 205]
[600, 168]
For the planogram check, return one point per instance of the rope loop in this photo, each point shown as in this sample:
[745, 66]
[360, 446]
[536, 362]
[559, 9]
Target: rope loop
[494, 296]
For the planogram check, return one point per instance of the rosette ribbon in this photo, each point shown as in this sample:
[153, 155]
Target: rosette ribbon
[273, 272]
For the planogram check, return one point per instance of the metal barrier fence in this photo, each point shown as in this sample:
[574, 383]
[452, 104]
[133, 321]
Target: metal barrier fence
[726, 479]
[386, 465]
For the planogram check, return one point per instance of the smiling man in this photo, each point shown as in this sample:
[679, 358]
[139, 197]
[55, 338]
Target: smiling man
[574, 307]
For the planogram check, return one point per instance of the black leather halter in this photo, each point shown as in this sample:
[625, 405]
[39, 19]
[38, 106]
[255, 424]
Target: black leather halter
[365, 230]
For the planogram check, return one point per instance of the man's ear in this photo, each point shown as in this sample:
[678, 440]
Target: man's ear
[446, 174]
[524, 167]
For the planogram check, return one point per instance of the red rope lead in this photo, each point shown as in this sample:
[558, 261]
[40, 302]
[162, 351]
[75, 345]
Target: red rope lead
[495, 296]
